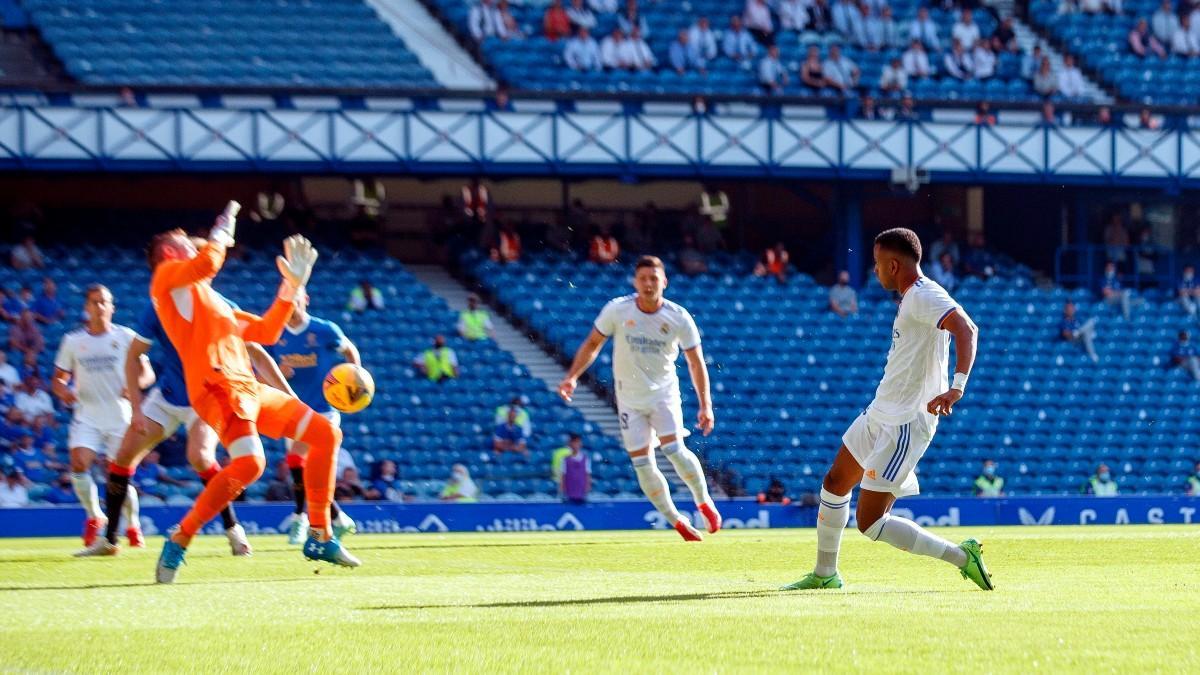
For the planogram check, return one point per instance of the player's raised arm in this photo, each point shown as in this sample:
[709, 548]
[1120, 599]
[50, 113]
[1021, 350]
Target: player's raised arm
[172, 269]
[698, 369]
[295, 266]
[584, 358]
[266, 368]
[966, 340]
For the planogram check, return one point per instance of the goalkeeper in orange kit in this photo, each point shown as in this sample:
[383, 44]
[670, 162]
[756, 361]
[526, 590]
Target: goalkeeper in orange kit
[211, 337]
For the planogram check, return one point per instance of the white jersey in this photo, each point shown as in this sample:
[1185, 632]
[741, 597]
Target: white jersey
[645, 347]
[918, 361]
[97, 366]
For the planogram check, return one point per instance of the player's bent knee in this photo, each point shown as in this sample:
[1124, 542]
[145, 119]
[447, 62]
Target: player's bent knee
[320, 432]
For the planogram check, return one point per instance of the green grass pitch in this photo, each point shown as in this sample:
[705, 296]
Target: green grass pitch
[1094, 599]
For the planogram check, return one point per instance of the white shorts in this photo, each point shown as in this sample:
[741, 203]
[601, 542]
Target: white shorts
[334, 417]
[101, 441]
[888, 453]
[641, 427]
[169, 417]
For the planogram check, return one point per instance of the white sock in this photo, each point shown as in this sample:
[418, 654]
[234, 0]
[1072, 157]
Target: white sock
[85, 490]
[654, 485]
[906, 535]
[131, 509]
[687, 465]
[832, 516]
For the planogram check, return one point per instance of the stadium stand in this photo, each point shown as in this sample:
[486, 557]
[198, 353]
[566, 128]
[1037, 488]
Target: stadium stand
[424, 427]
[535, 63]
[332, 43]
[788, 375]
[1101, 43]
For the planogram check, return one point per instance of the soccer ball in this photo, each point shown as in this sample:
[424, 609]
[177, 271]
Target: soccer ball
[348, 388]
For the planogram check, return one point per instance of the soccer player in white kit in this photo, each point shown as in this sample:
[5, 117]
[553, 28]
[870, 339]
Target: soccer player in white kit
[648, 332]
[882, 447]
[93, 357]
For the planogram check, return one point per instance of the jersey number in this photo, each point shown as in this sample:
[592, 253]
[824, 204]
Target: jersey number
[625, 421]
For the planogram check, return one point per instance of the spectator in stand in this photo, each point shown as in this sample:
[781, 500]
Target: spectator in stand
[945, 244]
[774, 263]
[364, 296]
[8, 374]
[738, 44]
[916, 61]
[1004, 38]
[845, 14]
[582, 53]
[1192, 487]
[756, 16]
[26, 255]
[1045, 81]
[943, 272]
[1184, 356]
[604, 248]
[983, 60]
[867, 109]
[776, 493]
[386, 484]
[13, 491]
[858, 26]
[574, 442]
[1031, 62]
[1188, 293]
[793, 15]
[1164, 23]
[977, 261]
[987, 483]
[965, 30]
[1184, 42]
[1113, 293]
[280, 487]
[484, 20]
[820, 18]
[510, 436]
[149, 477]
[576, 480]
[61, 490]
[1141, 41]
[438, 363]
[812, 71]
[349, 486]
[25, 336]
[893, 79]
[840, 72]
[881, 30]
[613, 52]
[957, 62]
[1101, 484]
[1116, 238]
[460, 488]
[580, 16]
[704, 38]
[983, 114]
[632, 18]
[908, 108]
[514, 405]
[691, 260]
[1070, 79]
[509, 29]
[924, 30]
[12, 306]
[474, 322]
[1071, 330]
[684, 55]
[641, 57]
[508, 245]
[33, 401]
[772, 76]
[1147, 121]
[555, 22]
[843, 300]
[46, 308]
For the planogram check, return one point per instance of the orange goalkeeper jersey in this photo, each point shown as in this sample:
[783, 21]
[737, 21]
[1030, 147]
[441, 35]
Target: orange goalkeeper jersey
[209, 335]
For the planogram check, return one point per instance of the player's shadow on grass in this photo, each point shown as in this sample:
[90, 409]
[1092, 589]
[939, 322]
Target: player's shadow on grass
[618, 600]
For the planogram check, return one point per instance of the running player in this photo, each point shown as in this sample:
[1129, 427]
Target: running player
[881, 448]
[156, 417]
[309, 348]
[648, 332]
[93, 357]
[210, 337]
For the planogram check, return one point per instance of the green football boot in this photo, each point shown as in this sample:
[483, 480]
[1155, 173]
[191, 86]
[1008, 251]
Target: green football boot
[814, 582]
[975, 570]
